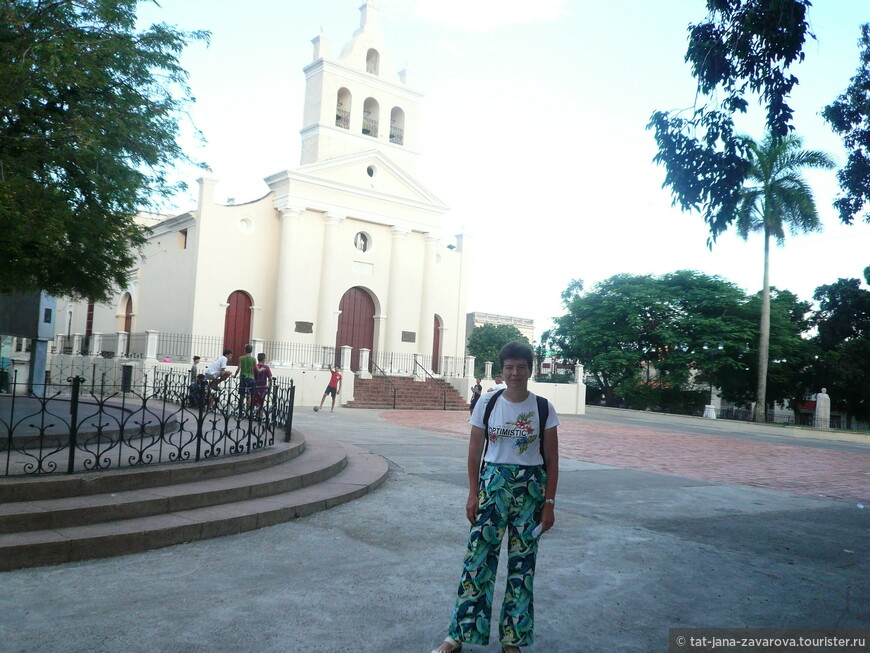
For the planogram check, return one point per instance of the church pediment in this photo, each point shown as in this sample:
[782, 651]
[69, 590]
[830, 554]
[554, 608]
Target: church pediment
[367, 174]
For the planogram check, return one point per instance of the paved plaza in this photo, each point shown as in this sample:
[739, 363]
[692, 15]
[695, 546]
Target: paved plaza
[661, 522]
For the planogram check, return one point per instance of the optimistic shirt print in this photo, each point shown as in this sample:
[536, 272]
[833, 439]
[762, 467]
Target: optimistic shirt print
[521, 432]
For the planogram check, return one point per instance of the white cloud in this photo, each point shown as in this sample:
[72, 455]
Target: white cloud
[479, 15]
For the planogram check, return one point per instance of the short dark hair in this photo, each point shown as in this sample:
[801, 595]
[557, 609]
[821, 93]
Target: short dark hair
[227, 352]
[249, 349]
[261, 356]
[196, 358]
[516, 349]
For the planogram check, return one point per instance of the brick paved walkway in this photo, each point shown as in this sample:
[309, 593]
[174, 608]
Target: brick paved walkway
[789, 468]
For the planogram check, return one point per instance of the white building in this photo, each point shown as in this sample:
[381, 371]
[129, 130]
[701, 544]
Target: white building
[346, 249]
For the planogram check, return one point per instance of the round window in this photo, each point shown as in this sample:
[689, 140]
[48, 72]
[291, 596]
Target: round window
[371, 171]
[246, 225]
[362, 241]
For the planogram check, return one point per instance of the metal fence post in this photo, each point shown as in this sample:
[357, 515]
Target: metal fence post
[74, 421]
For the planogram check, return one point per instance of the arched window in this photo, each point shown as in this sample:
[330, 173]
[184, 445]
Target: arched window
[371, 112]
[373, 61]
[397, 126]
[342, 109]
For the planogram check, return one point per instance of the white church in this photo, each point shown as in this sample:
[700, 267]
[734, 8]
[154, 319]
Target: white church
[345, 250]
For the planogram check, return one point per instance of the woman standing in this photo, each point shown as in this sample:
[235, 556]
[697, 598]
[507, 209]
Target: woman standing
[514, 489]
[476, 389]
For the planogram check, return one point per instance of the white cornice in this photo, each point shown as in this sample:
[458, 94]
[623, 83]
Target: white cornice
[366, 79]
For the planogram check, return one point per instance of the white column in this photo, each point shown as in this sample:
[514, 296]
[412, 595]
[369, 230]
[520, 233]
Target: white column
[255, 323]
[121, 345]
[96, 344]
[393, 339]
[363, 371]
[151, 344]
[327, 301]
[419, 375]
[58, 343]
[345, 358]
[77, 343]
[257, 343]
[426, 332]
[578, 372]
[487, 370]
[291, 218]
[469, 366]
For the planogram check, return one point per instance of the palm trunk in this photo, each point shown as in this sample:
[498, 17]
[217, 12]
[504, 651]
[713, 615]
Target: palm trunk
[764, 337]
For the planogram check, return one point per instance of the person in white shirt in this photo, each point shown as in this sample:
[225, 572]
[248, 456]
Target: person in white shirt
[512, 479]
[217, 372]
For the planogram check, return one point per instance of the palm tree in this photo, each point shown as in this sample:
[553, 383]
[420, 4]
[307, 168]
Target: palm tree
[776, 195]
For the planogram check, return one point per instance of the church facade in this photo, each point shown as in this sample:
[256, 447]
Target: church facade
[345, 250]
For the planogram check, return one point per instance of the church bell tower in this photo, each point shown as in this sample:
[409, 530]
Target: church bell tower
[357, 103]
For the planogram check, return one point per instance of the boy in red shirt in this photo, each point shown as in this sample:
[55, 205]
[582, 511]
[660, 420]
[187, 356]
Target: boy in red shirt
[331, 389]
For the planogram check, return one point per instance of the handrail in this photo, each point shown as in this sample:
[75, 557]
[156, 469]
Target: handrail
[440, 382]
[384, 377]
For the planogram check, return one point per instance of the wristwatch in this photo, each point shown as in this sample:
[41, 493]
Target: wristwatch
[552, 502]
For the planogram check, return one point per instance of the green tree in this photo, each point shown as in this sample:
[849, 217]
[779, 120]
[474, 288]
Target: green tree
[849, 116]
[791, 353]
[89, 111]
[745, 50]
[485, 342]
[776, 196]
[843, 338]
[629, 325]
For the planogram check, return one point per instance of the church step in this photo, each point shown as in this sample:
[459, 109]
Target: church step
[362, 473]
[322, 459]
[31, 488]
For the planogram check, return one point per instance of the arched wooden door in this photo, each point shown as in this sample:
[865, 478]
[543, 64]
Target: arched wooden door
[237, 324]
[436, 345]
[356, 325]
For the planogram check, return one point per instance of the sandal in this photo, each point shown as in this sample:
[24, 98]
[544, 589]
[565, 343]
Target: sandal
[455, 646]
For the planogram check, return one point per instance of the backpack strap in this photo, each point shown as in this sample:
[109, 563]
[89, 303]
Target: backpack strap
[486, 413]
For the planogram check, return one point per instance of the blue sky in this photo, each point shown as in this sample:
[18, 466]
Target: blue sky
[534, 131]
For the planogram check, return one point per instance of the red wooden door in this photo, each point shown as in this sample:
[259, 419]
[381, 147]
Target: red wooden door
[356, 325]
[237, 324]
[436, 345]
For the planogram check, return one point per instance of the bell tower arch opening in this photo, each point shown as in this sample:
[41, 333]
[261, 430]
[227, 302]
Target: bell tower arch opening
[397, 126]
[342, 108]
[371, 111]
[373, 61]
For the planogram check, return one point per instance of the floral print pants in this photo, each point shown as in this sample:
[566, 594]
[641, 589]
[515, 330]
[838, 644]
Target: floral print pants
[510, 498]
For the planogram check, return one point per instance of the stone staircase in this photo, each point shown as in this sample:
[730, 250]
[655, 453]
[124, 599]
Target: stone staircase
[410, 394]
[51, 520]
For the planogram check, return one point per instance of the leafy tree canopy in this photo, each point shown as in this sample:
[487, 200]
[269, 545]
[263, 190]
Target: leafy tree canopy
[485, 342]
[849, 116]
[791, 353]
[744, 49]
[89, 110]
[673, 323]
[843, 323]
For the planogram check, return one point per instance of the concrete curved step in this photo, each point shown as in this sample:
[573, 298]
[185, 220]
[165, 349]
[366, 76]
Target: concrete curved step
[28, 488]
[336, 473]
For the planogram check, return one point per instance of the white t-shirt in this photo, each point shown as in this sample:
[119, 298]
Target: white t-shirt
[217, 365]
[513, 430]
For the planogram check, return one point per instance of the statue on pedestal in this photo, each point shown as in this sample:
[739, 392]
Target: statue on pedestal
[823, 410]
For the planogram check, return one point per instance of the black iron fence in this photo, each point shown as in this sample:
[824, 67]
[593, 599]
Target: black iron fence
[297, 354]
[82, 426]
